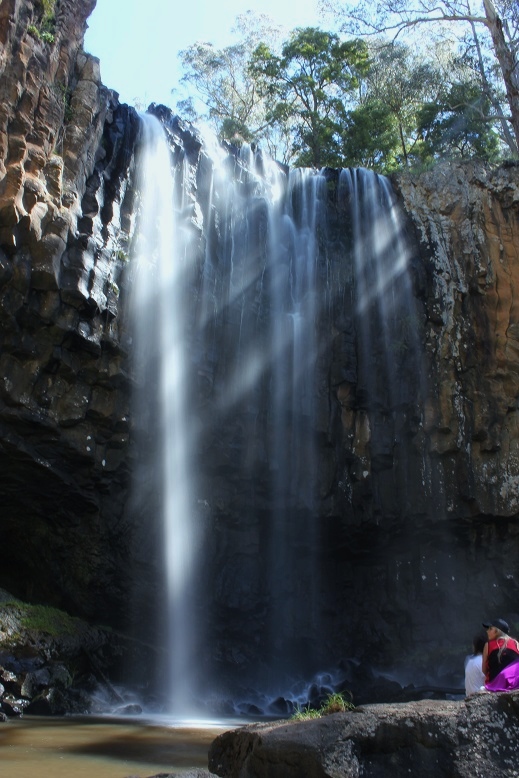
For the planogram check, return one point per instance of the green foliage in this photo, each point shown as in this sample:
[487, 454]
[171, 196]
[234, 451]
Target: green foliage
[309, 84]
[45, 31]
[48, 8]
[49, 20]
[226, 95]
[370, 137]
[122, 256]
[399, 81]
[64, 94]
[458, 125]
[485, 33]
[334, 703]
[41, 35]
[236, 130]
[318, 100]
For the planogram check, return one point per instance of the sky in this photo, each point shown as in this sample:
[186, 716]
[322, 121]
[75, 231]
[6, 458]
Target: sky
[137, 41]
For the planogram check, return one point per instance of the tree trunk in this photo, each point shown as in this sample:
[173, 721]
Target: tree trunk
[505, 124]
[402, 141]
[507, 62]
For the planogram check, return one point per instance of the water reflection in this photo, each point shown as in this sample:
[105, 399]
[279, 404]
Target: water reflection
[101, 748]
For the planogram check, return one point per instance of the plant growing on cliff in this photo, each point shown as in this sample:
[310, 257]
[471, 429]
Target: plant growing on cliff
[45, 36]
[48, 7]
[336, 703]
[302, 714]
[64, 94]
[49, 14]
[45, 31]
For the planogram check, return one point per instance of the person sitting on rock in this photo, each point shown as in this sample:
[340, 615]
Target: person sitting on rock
[474, 678]
[500, 653]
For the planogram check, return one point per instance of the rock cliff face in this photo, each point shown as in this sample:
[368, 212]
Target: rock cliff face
[64, 155]
[467, 223]
[416, 535]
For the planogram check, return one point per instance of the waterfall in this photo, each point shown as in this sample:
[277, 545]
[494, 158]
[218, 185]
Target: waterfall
[293, 543]
[161, 261]
[386, 318]
[240, 296]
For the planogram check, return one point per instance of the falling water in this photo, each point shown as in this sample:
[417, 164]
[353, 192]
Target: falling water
[251, 303]
[293, 571]
[161, 262]
[265, 331]
[386, 318]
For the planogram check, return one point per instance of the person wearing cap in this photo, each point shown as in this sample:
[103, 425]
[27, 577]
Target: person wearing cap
[500, 651]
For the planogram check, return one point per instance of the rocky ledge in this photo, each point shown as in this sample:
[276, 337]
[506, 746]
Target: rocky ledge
[54, 664]
[478, 736]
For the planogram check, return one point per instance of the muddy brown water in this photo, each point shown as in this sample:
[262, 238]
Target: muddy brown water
[101, 748]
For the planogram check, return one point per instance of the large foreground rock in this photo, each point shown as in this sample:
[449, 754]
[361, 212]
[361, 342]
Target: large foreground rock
[478, 736]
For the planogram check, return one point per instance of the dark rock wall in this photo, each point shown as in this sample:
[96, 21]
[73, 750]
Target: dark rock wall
[418, 495]
[65, 160]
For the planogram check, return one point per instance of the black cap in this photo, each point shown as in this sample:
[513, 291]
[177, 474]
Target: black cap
[499, 624]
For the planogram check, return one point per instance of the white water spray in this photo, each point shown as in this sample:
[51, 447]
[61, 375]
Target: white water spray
[161, 265]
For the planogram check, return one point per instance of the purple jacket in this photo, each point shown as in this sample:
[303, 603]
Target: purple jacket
[506, 681]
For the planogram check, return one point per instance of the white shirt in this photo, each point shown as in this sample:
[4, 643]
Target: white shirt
[474, 678]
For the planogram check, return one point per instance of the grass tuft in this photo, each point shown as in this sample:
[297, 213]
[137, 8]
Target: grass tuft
[334, 703]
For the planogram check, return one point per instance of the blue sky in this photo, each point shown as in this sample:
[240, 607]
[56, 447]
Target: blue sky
[138, 41]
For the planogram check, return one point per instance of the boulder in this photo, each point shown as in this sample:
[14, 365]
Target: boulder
[476, 737]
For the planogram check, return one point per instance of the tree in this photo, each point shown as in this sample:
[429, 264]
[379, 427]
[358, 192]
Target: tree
[218, 77]
[476, 54]
[455, 125]
[309, 84]
[414, 110]
[402, 83]
[370, 137]
[499, 22]
[226, 95]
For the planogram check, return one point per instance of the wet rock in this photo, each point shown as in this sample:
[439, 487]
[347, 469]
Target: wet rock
[53, 665]
[51, 702]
